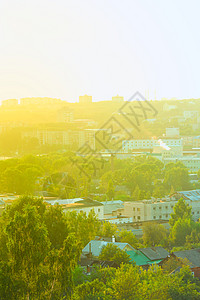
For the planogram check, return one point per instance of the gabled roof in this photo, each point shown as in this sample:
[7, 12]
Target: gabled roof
[193, 256]
[96, 247]
[140, 259]
[155, 253]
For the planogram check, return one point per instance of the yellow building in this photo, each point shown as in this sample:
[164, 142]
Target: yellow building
[85, 99]
[117, 99]
[9, 102]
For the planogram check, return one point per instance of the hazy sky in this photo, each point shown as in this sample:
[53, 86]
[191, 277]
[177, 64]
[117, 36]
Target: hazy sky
[63, 49]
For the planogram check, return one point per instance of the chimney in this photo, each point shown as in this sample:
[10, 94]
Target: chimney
[90, 251]
[113, 239]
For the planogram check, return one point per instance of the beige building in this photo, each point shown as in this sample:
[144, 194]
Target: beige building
[148, 210]
[161, 209]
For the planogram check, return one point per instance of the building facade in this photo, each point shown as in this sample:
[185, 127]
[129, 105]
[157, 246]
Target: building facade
[85, 99]
[161, 209]
[151, 143]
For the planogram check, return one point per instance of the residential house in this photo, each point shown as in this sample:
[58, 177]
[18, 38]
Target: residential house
[193, 258]
[94, 247]
[148, 256]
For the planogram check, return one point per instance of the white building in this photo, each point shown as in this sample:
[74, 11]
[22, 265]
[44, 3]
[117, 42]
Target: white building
[192, 163]
[148, 210]
[191, 114]
[151, 143]
[80, 205]
[161, 209]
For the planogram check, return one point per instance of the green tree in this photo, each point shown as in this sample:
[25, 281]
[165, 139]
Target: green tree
[127, 236]
[154, 234]
[178, 177]
[180, 230]
[110, 191]
[34, 262]
[111, 252]
[107, 229]
[181, 211]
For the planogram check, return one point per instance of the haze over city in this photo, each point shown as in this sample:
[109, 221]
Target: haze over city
[99, 150]
[64, 49]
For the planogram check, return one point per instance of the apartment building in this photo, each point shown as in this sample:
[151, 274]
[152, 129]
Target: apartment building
[65, 115]
[117, 99]
[9, 103]
[161, 209]
[191, 114]
[192, 163]
[85, 99]
[149, 210]
[151, 143]
[62, 137]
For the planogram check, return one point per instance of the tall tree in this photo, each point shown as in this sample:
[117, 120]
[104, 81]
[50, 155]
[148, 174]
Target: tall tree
[181, 211]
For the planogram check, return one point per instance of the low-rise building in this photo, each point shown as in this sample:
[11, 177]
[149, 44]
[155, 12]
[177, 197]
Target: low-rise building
[161, 209]
[94, 247]
[145, 257]
[80, 205]
[149, 210]
[190, 257]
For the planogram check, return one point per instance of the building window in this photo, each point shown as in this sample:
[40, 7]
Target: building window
[166, 215]
[138, 209]
[99, 210]
[133, 208]
[138, 217]
[154, 217]
[160, 217]
[159, 207]
[154, 208]
[166, 207]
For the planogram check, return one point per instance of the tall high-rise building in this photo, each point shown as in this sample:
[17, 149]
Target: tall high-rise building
[117, 99]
